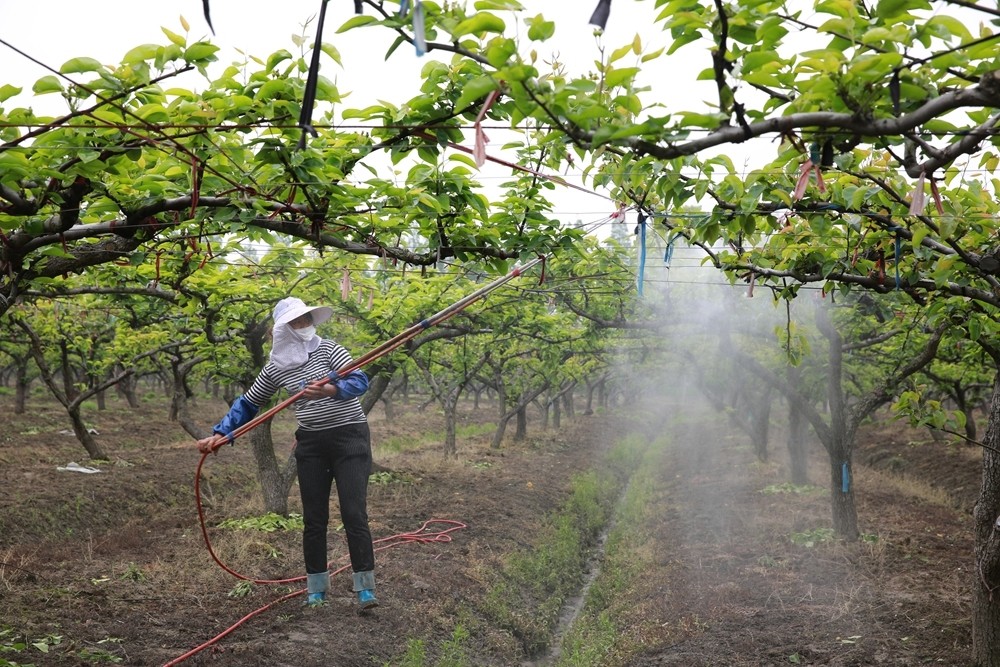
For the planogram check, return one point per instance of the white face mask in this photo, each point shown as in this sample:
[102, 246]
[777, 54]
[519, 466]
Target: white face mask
[305, 333]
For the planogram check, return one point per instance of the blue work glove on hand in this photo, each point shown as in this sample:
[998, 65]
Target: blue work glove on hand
[350, 386]
[239, 414]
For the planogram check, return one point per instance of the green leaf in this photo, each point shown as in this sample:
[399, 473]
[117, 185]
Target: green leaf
[276, 58]
[894, 8]
[333, 52]
[479, 23]
[174, 37]
[153, 113]
[519, 72]
[502, 5]
[952, 26]
[367, 112]
[475, 89]
[78, 65]
[140, 54]
[685, 39]
[464, 159]
[200, 51]
[540, 30]
[356, 22]
[395, 45]
[975, 329]
[689, 118]
[756, 59]
[47, 84]
[8, 91]
[617, 77]
[620, 53]
[652, 55]
[499, 50]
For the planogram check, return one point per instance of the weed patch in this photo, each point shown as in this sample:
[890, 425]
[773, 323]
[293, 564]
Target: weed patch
[597, 632]
[535, 585]
[267, 523]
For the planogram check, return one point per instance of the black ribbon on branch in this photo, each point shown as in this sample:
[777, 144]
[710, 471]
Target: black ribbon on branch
[309, 96]
[208, 18]
[601, 14]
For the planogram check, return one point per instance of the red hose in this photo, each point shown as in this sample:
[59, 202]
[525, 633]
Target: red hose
[419, 535]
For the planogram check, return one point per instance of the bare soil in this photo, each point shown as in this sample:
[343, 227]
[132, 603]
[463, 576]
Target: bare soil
[114, 563]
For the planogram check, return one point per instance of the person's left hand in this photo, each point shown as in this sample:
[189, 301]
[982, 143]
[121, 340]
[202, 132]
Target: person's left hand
[315, 390]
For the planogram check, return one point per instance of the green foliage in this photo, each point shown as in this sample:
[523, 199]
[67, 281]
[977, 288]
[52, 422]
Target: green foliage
[133, 572]
[243, 589]
[387, 477]
[453, 652]
[266, 523]
[101, 655]
[788, 487]
[12, 642]
[415, 655]
[812, 538]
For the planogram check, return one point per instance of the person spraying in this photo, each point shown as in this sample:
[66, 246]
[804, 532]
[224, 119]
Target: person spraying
[333, 441]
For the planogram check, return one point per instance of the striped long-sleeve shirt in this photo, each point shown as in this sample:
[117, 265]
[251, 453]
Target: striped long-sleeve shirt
[313, 415]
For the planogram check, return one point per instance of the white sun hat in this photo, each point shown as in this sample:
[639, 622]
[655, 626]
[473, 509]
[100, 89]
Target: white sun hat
[291, 308]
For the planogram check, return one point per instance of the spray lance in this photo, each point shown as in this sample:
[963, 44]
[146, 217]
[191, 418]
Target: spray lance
[386, 347]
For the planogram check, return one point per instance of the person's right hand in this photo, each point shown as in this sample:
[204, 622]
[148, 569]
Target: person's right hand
[211, 443]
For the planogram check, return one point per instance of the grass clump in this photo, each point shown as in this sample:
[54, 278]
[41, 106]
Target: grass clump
[789, 488]
[534, 584]
[454, 652]
[812, 538]
[597, 636]
[267, 523]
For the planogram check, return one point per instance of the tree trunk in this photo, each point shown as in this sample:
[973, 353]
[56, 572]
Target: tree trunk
[499, 432]
[450, 420]
[760, 422]
[840, 438]
[69, 388]
[568, 407]
[521, 432]
[986, 586]
[21, 386]
[275, 483]
[969, 410]
[389, 407]
[377, 385]
[557, 412]
[797, 459]
[127, 390]
[845, 514]
[83, 435]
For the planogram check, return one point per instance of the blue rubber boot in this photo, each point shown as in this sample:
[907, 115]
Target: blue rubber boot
[316, 587]
[364, 586]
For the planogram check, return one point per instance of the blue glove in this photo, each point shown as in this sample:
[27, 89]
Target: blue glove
[239, 414]
[350, 386]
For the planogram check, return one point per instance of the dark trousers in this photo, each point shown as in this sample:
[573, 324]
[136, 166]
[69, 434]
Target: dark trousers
[344, 455]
